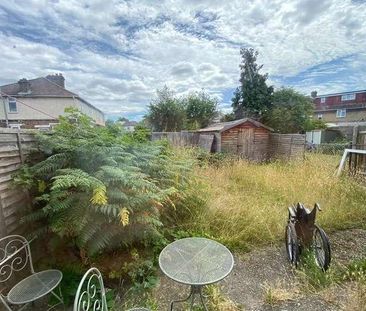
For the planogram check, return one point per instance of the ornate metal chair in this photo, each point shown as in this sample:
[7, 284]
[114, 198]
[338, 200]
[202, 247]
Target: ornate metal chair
[90, 295]
[15, 263]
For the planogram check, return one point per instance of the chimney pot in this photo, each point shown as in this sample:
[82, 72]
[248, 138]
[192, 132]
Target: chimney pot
[57, 78]
[24, 86]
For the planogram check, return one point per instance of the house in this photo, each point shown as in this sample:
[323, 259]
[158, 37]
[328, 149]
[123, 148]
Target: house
[340, 107]
[38, 103]
[245, 137]
[129, 126]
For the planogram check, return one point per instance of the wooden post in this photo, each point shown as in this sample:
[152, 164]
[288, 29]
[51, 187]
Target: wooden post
[354, 137]
[291, 142]
[3, 231]
[21, 154]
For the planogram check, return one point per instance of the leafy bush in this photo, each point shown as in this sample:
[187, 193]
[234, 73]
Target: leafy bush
[100, 190]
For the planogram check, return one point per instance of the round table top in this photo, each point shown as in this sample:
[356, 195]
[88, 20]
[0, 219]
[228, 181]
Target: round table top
[34, 286]
[196, 261]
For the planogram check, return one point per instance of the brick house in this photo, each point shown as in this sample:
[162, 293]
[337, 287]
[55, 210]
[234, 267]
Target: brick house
[340, 107]
[37, 103]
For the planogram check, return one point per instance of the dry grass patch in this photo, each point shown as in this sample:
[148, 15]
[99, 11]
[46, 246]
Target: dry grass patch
[247, 202]
[218, 301]
[279, 292]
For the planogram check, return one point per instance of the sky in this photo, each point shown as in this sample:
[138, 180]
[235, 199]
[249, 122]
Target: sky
[116, 53]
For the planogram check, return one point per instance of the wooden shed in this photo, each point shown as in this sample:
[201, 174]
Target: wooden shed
[246, 137]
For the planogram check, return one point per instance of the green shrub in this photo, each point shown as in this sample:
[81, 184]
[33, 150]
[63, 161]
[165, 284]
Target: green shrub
[99, 190]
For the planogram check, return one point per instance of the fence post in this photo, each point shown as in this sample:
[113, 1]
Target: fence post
[21, 154]
[3, 231]
[291, 142]
[354, 137]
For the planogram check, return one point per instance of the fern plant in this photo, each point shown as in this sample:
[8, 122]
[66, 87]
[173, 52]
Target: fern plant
[100, 190]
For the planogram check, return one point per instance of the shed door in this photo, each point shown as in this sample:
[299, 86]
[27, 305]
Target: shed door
[245, 143]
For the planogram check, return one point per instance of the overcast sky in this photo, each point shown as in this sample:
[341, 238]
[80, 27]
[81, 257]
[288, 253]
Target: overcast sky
[116, 54]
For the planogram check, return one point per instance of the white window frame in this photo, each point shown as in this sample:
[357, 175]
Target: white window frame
[341, 113]
[320, 116]
[322, 100]
[349, 96]
[12, 100]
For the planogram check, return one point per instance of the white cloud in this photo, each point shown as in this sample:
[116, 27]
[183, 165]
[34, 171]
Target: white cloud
[116, 53]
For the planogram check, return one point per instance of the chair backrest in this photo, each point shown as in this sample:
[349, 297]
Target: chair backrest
[15, 255]
[91, 292]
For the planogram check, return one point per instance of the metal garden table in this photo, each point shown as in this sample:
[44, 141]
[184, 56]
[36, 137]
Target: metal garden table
[196, 262]
[36, 286]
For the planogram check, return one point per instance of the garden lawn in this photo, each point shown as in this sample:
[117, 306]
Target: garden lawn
[247, 202]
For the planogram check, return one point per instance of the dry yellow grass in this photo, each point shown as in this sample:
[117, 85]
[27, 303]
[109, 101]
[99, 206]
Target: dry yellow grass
[279, 292]
[247, 203]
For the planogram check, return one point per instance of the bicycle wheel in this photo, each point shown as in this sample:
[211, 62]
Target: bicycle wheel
[321, 247]
[292, 246]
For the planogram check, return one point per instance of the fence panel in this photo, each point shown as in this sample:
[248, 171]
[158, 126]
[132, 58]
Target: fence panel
[286, 146]
[178, 139]
[14, 147]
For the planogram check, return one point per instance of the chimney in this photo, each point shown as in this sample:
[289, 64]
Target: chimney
[24, 86]
[314, 94]
[57, 78]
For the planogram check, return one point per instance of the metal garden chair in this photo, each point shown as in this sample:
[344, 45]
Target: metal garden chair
[15, 257]
[90, 295]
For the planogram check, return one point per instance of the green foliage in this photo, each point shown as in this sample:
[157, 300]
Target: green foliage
[69, 285]
[141, 133]
[291, 112]
[356, 271]
[228, 117]
[313, 277]
[200, 109]
[142, 272]
[100, 190]
[166, 113]
[253, 97]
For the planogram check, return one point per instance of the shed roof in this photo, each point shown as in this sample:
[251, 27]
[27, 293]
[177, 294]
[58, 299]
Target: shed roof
[224, 126]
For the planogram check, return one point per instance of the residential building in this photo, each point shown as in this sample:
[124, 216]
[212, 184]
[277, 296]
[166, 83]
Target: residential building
[340, 107]
[129, 126]
[38, 103]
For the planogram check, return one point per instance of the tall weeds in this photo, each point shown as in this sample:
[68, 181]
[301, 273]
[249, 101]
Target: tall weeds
[247, 203]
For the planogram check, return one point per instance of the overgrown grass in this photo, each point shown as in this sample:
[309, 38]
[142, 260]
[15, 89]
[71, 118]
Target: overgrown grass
[247, 202]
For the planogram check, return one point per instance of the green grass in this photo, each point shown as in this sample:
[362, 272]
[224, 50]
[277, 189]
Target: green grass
[245, 204]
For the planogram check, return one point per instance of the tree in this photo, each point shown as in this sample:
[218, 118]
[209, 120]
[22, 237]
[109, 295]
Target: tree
[227, 117]
[291, 112]
[200, 109]
[166, 113]
[253, 97]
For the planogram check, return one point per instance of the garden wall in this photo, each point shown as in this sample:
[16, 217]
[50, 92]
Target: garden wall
[15, 145]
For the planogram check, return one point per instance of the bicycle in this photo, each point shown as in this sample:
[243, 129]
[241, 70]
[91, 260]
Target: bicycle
[302, 233]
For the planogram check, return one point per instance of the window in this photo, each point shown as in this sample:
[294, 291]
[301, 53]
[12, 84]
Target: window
[320, 116]
[12, 105]
[341, 113]
[351, 96]
[322, 100]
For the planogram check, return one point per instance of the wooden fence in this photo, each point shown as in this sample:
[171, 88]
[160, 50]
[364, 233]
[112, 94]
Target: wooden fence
[278, 146]
[14, 147]
[185, 139]
[286, 146]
